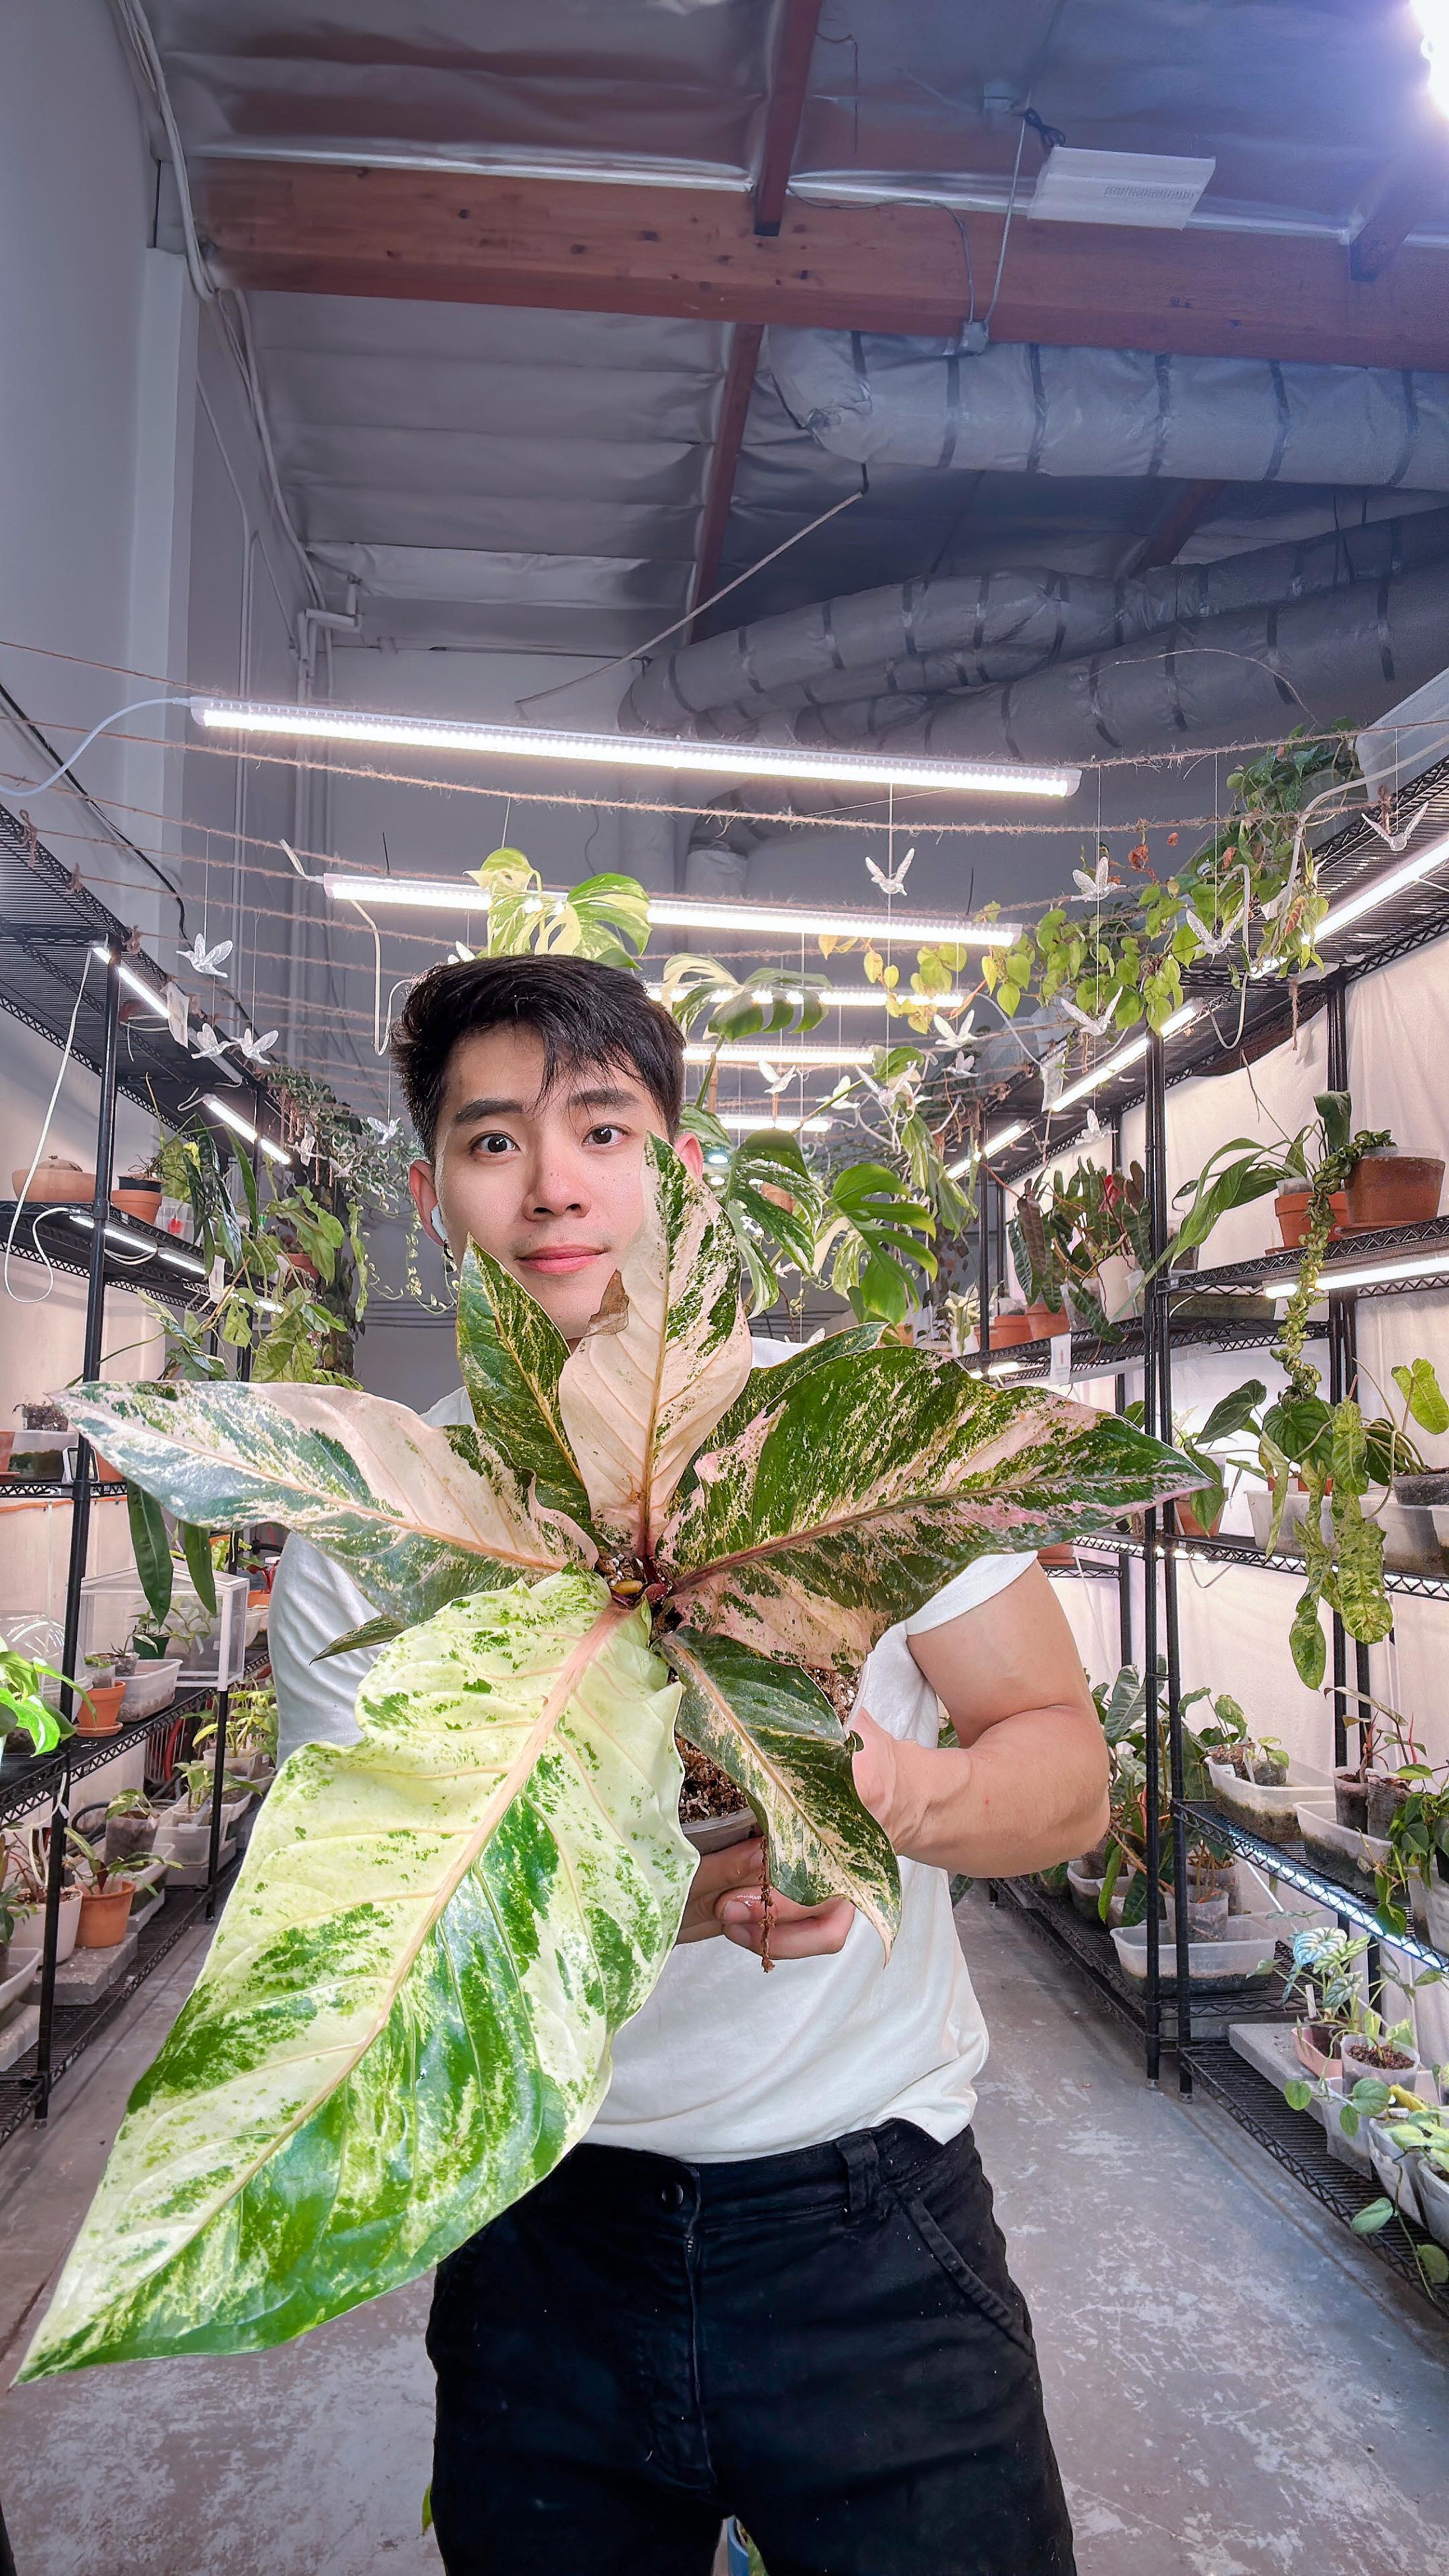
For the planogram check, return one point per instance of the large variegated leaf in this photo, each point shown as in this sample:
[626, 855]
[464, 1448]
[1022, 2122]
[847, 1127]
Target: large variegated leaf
[416, 1512]
[665, 1356]
[771, 1728]
[768, 1386]
[406, 2015]
[878, 1477]
[512, 1353]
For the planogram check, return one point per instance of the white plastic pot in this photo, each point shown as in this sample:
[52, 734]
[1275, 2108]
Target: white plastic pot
[1411, 2079]
[1433, 2190]
[1395, 2169]
[151, 1688]
[1268, 1811]
[28, 1938]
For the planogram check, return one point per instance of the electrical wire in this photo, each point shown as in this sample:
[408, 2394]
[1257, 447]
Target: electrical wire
[35, 1160]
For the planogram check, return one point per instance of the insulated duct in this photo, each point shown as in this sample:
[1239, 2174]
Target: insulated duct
[1027, 410]
[876, 657]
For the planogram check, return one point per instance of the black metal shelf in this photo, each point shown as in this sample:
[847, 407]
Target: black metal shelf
[157, 1264]
[77, 2025]
[29, 1489]
[1088, 1946]
[1295, 2141]
[24, 1790]
[1241, 1551]
[1351, 1896]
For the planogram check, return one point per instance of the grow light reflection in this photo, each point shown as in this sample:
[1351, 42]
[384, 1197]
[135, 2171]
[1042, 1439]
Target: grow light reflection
[243, 1127]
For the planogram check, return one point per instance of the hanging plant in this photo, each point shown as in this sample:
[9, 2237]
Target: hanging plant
[405, 2018]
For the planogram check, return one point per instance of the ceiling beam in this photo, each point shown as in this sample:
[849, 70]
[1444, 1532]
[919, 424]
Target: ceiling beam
[1181, 519]
[789, 85]
[729, 436]
[1410, 191]
[579, 246]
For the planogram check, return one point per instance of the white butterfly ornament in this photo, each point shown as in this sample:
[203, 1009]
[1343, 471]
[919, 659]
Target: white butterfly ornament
[257, 1050]
[895, 883]
[1100, 882]
[208, 961]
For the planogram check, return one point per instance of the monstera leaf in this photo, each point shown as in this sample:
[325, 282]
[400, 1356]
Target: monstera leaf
[416, 1512]
[847, 1504]
[666, 1354]
[405, 2017]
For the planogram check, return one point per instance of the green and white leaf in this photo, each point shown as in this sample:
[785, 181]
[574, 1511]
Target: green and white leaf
[662, 1360]
[405, 2018]
[512, 1354]
[775, 1734]
[416, 1512]
[878, 1477]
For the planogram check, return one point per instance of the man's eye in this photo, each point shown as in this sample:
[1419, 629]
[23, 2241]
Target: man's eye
[494, 1142]
[605, 1135]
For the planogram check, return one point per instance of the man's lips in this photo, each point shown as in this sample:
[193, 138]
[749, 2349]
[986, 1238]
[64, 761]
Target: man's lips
[561, 1258]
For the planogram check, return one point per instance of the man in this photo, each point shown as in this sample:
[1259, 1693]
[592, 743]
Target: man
[769, 2283]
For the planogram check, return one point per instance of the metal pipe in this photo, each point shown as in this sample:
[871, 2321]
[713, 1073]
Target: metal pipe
[983, 1255]
[1119, 1405]
[1342, 1313]
[1153, 1316]
[80, 1528]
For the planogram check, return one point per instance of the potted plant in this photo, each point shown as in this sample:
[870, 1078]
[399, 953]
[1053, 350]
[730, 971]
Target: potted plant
[98, 1710]
[38, 1450]
[131, 1821]
[55, 1182]
[1388, 1187]
[251, 1731]
[1042, 1267]
[1376, 2049]
[1009, 1324]
[1418, 1840]
[23, 1865]
[185, 1827]
[107, 1889]
[710, 1807]
[1324, 1974]
[27, 1720]
[1424, 2137]
[139, 1192]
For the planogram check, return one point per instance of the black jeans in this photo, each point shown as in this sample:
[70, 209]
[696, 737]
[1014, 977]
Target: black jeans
[827, 2344]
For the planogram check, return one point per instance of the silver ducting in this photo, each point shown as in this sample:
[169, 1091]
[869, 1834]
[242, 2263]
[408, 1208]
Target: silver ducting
[1026, 410]
[877, 656]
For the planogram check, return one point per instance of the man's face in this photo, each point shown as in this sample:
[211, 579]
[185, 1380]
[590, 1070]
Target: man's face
[551, 1183]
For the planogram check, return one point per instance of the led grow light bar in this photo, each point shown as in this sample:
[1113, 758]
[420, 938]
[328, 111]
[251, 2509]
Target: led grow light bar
[113, 1233]
[1118, 1062]
[243, 1127]
[1382, 890]
[750, 1123]
[800, 1055]
[133, 982]
[840, 997]
[1425, 1265]
[996, 1144]
[633, 751]
[687, 912]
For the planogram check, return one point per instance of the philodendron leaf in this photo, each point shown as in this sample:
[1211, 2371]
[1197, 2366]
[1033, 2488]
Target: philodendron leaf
[511, 1354]
[152, 1550]
[405, 2018]
[774, 1733]
[845, 1506]
[416, 1512]
[665, 1356]
[373, 1632]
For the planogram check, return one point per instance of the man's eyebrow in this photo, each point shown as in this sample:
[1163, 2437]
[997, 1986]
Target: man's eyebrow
[607, 1099]
[486, 1109]
[610, 1097]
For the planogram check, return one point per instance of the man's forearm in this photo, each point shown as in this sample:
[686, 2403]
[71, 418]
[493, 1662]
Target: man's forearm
[1030, 1792]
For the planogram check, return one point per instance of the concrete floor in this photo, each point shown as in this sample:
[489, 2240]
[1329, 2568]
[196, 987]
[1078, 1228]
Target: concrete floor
[1234, 2386]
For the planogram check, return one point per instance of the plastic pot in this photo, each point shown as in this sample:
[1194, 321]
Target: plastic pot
[99, 1712]
[716, 1833]
[1291, 1209]
[1316, 2044]
[1389, 1188]
[1433, 2190]
[1355, 2065]
[1350, 1801]
[28, 1937]
[103, 1918]
[1384, 1799]
[1395, 2168]
[129, 1837]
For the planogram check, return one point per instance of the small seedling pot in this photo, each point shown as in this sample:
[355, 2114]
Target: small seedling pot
[1389, 1188]
[28, 1938]
[1291, 1210]
[99, 1712]
[103, 1918]
[1384, 1799]
[1433, 2190]
[1317, 2045]
[717, 1833]
[1350, 1801]
[1411, 2075]
[129, 1837]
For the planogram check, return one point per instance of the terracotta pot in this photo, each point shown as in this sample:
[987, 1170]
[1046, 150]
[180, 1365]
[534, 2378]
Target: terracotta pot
[1044, 1323]
[1058, 1555]
[138, 1198]
[1007, 1329]
[1291, 1208]
[55, 1185]
[1189, 1523]
[99, 1712]
[106, 1473]
[1395, 1189]
[7, 1443]
[103, 1919]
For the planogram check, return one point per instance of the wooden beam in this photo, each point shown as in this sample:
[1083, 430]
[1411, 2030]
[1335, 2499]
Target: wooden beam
[1180, 520]
[729, 435]
[576, 246]
[789, 86]
[1409, 192]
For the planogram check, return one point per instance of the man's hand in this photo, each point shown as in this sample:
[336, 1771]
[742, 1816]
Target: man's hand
[726, 1898]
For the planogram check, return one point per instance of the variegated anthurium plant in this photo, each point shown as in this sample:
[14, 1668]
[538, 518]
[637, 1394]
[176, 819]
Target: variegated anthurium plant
[406, 2015]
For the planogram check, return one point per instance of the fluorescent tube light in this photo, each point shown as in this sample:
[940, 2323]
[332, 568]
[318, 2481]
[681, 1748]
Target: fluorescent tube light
[243, 1127]
[113, 1233]
[182, 1261]
[1003, 1368]
[1425, 1265]
[797, 1054]
[1118, 1062]
[268, 1305]
[686, 912]
[634, 751]
[1382, 889]
[1005, 1136]
[845, 997]
[751, 1122]
[133, 982]
[1433, 17]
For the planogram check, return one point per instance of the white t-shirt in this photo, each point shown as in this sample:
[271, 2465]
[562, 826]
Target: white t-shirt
[725, 2061]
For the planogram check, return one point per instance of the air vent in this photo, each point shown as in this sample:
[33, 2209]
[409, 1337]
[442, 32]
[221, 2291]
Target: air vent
[1118, 188]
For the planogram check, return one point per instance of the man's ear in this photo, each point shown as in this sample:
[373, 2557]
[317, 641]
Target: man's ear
[424, 1191]
[691, 1154]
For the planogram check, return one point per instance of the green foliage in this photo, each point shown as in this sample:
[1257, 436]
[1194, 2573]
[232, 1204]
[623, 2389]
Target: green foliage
[875, 1235]
[23, 1706]
[605, 917]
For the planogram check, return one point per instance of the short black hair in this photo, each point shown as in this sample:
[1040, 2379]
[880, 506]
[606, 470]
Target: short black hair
[585, 1013]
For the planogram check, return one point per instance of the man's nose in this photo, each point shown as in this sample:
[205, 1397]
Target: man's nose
[558, 1183]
